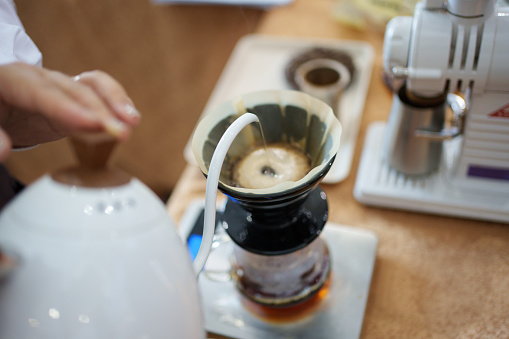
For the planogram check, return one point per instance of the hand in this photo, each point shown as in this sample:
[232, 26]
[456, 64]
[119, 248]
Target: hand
[39, 105]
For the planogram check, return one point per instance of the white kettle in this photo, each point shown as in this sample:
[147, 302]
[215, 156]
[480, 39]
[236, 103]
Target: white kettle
[95, 256]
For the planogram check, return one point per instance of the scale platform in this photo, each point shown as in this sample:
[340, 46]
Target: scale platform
[339, 315]
[379, 185]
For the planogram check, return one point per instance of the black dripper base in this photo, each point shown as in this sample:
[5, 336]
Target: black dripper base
[269, 230]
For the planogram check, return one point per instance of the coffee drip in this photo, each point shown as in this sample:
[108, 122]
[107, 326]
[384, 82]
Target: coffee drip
[269, 165]
[279, 260]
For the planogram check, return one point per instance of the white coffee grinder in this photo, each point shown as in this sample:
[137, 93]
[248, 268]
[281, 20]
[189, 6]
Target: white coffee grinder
[450, 54]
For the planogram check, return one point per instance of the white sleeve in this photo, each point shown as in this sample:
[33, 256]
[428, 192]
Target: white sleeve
[15, 44]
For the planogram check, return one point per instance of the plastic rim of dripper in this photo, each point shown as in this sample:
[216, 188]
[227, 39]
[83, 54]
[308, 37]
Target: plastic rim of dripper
[237, 106]
[211, 188]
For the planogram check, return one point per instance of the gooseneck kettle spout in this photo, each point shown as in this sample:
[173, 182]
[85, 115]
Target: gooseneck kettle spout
[212, 183]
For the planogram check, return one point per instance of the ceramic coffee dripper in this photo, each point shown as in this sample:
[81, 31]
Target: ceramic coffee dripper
[279, 258]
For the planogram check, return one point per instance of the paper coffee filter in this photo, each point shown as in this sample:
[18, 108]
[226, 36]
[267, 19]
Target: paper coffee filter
[286, 116]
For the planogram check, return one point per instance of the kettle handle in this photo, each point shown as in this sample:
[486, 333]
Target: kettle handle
[211, 189]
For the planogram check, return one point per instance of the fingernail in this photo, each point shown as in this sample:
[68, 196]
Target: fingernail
[116, 127]
[131, 111]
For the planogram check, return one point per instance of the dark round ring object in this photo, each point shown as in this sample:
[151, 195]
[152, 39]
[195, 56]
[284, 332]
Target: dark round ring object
[318, 53]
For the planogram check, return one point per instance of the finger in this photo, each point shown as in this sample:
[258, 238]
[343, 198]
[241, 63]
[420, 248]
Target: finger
[112, 93]
[86, 96]
[67, 106]
[73, 107]
[86, 102]
[44, 93]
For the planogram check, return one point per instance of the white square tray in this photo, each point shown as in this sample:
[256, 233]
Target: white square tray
[339, 315]
[258, 62]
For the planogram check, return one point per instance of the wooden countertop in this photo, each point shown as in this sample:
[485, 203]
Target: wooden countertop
[434, 276]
